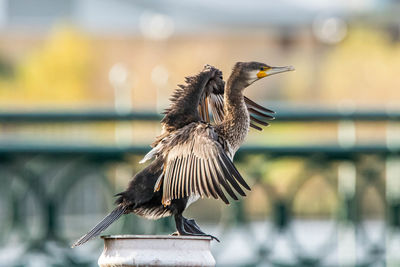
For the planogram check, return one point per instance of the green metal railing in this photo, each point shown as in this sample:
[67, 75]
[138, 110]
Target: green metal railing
[42, 184]
[290, 115]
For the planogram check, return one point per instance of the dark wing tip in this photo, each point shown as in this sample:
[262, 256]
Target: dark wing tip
[254, 119]
[259, 113]
[236, 173]
[255, 127]
[225, 200]
[258, 106]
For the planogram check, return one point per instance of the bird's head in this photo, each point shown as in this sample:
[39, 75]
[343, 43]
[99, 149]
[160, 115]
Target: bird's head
[249, 72]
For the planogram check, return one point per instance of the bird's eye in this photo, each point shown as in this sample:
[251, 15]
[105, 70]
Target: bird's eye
[262, 68]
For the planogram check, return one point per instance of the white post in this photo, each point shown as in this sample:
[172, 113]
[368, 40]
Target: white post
[392, 197]
[159, 77]
[119, 79]
[347, 133]
[156, 250]
[347, 175]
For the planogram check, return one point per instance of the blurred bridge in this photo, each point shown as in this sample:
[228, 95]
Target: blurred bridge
[51, 193]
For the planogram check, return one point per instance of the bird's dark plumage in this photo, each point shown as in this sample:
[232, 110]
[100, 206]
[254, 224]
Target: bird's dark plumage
[101, 226]
[193, 158]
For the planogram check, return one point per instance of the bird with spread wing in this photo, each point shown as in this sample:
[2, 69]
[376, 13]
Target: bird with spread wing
[193, 156]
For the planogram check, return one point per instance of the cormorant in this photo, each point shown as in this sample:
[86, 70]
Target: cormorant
[191, 157]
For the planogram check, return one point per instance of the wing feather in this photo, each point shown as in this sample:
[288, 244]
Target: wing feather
[175, 178]
[250, 102]
[259, 113]
[215, 182]
[181, 178]
[193, 174]
[196, 164]
[258, 121]
[198, 178]
[187, 174]
[255, 126]
[222, 180]
[209, 179]
[231, 179]
[203, 178]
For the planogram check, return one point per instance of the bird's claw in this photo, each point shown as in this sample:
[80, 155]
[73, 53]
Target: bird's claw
[213, 237]
[191, 234]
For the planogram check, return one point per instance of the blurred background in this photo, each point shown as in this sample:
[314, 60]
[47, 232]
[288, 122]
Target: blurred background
[82, 86]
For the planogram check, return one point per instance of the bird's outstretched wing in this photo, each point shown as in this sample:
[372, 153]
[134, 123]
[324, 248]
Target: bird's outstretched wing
[184, 101]
[195, 163]
[258, 114]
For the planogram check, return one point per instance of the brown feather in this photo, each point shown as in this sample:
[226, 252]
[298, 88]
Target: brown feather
[250, 102]
[258, 121]
[255, 127]
[256, 112]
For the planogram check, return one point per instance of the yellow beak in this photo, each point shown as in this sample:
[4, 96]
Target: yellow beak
[273, 70]
[261, 74]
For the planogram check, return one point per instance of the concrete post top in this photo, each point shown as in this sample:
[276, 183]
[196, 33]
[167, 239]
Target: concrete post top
[156, 250]
[106, 237]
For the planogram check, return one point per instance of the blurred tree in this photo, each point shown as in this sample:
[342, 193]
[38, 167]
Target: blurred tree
[6, 68]
[363, 69]
[57, 73]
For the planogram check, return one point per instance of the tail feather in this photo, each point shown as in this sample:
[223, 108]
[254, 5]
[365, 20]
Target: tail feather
[101, 226]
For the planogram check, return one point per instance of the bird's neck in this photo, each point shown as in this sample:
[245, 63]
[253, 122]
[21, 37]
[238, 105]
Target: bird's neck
[235, 125]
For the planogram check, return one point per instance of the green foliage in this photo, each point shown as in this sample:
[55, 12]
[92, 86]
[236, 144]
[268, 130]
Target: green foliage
[55, 73]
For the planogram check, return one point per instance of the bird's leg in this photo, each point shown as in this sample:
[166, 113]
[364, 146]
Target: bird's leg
[180, 227]
[189, 227]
